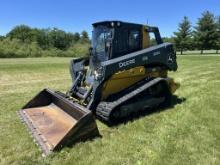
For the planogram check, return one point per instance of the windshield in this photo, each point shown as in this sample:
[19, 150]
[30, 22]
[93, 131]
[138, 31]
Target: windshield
[99, 38]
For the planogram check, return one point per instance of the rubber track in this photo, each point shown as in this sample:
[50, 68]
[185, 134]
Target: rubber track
[104, 109]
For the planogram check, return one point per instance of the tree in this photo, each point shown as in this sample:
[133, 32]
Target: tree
[58, 38]
[43, 39]
[76, 37]
[218, 31]
[84, 36]
[182, 38]
[21, 32]
[2, 38]
[206, 34]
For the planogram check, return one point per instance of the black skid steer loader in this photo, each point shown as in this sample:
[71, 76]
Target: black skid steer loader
[124, 74]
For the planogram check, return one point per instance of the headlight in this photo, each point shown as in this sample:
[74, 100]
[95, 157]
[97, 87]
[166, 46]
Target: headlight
[98, 73]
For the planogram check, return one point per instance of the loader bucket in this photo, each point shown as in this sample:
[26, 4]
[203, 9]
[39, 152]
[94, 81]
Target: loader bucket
[56, 121]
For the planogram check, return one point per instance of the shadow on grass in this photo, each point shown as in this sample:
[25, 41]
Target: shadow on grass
[134, 116]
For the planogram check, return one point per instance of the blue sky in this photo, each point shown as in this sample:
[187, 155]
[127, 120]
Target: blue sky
[78, 15]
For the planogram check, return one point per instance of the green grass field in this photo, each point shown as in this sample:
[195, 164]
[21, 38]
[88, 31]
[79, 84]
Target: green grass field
[188, 133]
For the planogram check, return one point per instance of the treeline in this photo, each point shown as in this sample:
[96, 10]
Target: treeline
[24, 41]
[204, 36]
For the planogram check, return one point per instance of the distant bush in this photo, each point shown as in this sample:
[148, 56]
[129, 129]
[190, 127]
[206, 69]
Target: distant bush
[15, 49]
[79, 49]
[24, 41]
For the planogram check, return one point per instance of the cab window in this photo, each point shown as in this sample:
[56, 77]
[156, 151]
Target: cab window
[134, 40]
[121, 42]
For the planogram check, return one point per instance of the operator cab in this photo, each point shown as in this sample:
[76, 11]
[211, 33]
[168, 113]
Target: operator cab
[113, 39]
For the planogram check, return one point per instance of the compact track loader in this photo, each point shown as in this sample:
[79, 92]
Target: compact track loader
[124, 74]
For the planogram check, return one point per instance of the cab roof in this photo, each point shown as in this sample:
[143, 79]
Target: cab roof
[117, 22]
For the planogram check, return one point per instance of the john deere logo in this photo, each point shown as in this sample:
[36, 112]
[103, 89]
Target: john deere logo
[126, 63]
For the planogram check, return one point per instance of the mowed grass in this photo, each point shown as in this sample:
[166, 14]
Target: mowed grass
[188, 133]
